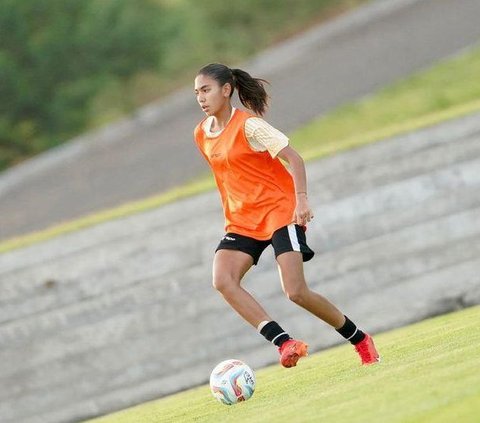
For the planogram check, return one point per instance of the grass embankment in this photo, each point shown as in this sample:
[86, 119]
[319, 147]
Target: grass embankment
[447, 90]
[428, 373]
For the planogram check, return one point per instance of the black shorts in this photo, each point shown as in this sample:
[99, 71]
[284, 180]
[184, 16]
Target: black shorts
[288, 238]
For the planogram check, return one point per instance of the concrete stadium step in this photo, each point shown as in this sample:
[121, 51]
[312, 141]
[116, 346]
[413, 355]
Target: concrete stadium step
[375, 200]
[394, 169]
[392, 196]
[382, 276]
[441, 231]
[400, 146]
[120, 300]
[446, 190]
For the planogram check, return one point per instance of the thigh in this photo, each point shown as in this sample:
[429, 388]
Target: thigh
[290, 267]
[230, 266]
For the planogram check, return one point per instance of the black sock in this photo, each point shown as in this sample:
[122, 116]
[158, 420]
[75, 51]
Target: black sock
[350, 332]
[274, 333]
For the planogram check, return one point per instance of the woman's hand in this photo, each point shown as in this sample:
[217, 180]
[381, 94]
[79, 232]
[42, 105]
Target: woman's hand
[303, 212]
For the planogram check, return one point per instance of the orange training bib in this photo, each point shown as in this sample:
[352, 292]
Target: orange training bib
[257, 191]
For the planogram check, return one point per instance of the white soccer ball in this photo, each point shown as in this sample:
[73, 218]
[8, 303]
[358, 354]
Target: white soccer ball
[232, 381]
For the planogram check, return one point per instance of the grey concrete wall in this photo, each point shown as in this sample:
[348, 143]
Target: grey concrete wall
[123, 312]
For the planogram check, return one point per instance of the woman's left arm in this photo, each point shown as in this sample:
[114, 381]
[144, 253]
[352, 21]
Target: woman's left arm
[303, 212]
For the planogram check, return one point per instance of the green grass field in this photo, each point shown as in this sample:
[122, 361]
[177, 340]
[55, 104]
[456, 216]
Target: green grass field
[430, 372]
[447, 90]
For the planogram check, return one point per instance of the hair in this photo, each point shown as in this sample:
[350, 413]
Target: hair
[251, 91]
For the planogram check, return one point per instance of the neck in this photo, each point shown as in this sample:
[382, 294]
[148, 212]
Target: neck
[221, 118]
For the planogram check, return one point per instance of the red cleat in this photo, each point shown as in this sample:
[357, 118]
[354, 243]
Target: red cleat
[291, 351]
[367, 351]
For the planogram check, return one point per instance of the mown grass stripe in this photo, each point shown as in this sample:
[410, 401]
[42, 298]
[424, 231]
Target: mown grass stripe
[335, 146]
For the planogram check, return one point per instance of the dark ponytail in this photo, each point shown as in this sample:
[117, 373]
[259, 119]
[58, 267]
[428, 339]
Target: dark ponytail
[251, 91]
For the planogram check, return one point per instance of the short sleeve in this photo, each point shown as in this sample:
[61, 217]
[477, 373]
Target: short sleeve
[264, 137]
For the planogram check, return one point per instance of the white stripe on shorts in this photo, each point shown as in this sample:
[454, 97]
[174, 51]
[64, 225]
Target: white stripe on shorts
[292, 234]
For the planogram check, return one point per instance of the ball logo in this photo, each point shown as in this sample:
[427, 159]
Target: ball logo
[248, 378]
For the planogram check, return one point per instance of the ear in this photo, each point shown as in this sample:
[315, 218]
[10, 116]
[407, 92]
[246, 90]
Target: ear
[226, 89]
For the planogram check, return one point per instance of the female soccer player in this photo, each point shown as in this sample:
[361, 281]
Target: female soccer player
[263, 204]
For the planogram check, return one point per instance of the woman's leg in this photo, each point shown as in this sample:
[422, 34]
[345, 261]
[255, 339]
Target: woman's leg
[229, 267]
[290, 266]
[293, 282]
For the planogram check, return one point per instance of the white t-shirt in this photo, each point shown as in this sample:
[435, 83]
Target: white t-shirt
[261, 135]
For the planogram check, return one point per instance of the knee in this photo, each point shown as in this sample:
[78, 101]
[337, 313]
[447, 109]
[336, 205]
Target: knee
[297, 295]
[224, 283]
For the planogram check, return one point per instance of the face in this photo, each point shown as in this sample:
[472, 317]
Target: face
[210, 95]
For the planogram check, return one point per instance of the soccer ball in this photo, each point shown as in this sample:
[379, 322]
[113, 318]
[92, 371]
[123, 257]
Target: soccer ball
[232, 381]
